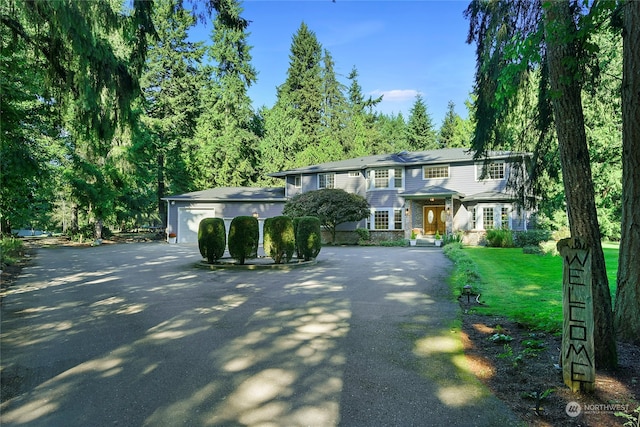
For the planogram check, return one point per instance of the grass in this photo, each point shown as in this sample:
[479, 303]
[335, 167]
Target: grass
[523, 287]
[11, 250]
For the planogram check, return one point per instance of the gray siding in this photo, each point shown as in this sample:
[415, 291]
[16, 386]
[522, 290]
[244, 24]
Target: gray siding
[462, 178]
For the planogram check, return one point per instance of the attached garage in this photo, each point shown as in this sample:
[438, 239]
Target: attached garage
[188, 222]
[185, 211]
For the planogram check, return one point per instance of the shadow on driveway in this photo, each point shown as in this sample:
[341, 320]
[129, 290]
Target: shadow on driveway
[132, 334]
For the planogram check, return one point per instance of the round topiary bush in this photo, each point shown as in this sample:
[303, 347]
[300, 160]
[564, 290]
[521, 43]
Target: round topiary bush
[279, 238]
[308, 237]
[244, 235]
[212, 239]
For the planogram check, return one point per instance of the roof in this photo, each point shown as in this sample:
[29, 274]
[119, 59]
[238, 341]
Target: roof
[489, 195]
[404, 158]
[431, 191]
[233, 194]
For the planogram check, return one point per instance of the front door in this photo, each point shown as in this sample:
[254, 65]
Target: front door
[434, 219]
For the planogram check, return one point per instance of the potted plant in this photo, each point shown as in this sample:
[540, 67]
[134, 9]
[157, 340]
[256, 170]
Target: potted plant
[438, 239]
[172, 238]
[413, 240]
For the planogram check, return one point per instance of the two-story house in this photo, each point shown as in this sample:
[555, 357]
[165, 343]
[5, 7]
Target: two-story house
[441, 191]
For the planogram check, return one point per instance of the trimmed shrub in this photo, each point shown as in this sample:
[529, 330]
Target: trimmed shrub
[532, 250]
[499, 238]
[279, 238]
[364, 236]
[244, 235]
[212, 239]
[308, 237]
[530, 237]
[296, 221]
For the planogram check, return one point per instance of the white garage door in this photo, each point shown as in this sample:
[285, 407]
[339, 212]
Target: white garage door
[188, 222]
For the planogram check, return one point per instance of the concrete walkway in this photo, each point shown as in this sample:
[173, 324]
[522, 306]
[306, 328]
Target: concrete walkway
[134, 335]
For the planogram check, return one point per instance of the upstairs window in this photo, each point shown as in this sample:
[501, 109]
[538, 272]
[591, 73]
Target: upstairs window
[434, 172]
[386, 178]
[297, 181]
[354, 174]
[492, 170]
[326, 180]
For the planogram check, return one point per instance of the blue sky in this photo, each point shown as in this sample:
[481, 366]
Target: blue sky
[400, 48]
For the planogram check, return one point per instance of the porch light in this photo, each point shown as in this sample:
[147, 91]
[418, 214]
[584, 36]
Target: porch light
[255, 214]
[406, 212]
[467, 291]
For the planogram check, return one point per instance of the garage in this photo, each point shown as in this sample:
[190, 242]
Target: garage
[188, 222]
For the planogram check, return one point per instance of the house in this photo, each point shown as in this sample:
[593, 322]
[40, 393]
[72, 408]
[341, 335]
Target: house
[437, 191]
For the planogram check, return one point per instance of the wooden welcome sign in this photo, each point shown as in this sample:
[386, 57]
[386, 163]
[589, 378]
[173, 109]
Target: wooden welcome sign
[578, 355]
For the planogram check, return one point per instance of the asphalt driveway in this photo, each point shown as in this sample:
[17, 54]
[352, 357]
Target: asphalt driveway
[134, 335]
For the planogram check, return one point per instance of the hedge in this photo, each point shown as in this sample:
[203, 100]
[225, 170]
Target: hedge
[244, 235]
[308, 237]
[212, 239]
[279, 238]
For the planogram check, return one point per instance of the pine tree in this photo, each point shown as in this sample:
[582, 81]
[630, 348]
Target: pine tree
[302, 91]
[420, 131]
[171, 84]
[452, 132]
[228, 147]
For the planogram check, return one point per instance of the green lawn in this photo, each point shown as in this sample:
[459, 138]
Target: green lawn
[526, 288]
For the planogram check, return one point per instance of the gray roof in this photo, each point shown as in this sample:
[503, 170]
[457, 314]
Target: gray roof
[231, 194]
[446, 155]
[489, 195]
[431, 191]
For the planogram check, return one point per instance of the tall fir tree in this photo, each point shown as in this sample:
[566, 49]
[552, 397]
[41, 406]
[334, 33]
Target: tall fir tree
[228, 146]
[420, 130]
[171, 84]
[453, 132]
[302, 91]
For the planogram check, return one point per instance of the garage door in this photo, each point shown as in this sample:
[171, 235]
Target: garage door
[188, 222]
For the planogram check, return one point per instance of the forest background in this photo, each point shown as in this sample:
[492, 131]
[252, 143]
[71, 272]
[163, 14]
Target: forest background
[168, 115]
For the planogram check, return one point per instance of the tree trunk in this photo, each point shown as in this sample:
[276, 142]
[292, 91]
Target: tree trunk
[627, 312]
[74, 218]
[562, 62]
[162, 209]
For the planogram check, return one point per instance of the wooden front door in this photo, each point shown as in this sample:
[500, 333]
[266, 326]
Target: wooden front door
[434, 218]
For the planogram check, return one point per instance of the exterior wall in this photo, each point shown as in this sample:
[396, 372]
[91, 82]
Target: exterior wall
[226, 210]
[462, 178]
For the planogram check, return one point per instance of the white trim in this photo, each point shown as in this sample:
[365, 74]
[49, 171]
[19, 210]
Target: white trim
[371, 180]
[481, 166]
[391, 221]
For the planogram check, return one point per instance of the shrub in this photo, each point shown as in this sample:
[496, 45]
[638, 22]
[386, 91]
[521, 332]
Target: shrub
[279, 238]
[532, 250]
[498, 238]
[212, 239]
[452, 238]
[308, 237]
[11, 250]
[395, 242]
[530, 237]
[363, 234]
[244, 235]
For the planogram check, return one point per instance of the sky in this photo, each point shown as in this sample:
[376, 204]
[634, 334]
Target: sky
[400, 48]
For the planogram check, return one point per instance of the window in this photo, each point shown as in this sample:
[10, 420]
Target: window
[354, 174]
[487, 218]
[381, 220]
[397, 219]
[386, 178]
[385, 219]
[474, 218]
[397, 178]
[492, 170]
[431, 172]
[326, 180]
[297, 181]
[504, 218]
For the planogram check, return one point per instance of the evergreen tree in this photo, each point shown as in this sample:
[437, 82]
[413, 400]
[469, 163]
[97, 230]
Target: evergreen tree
[452, 132]
[334, 102]
[228, 146]
[420, 131]
[302, 91]
[171, 84]
[552, 38]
